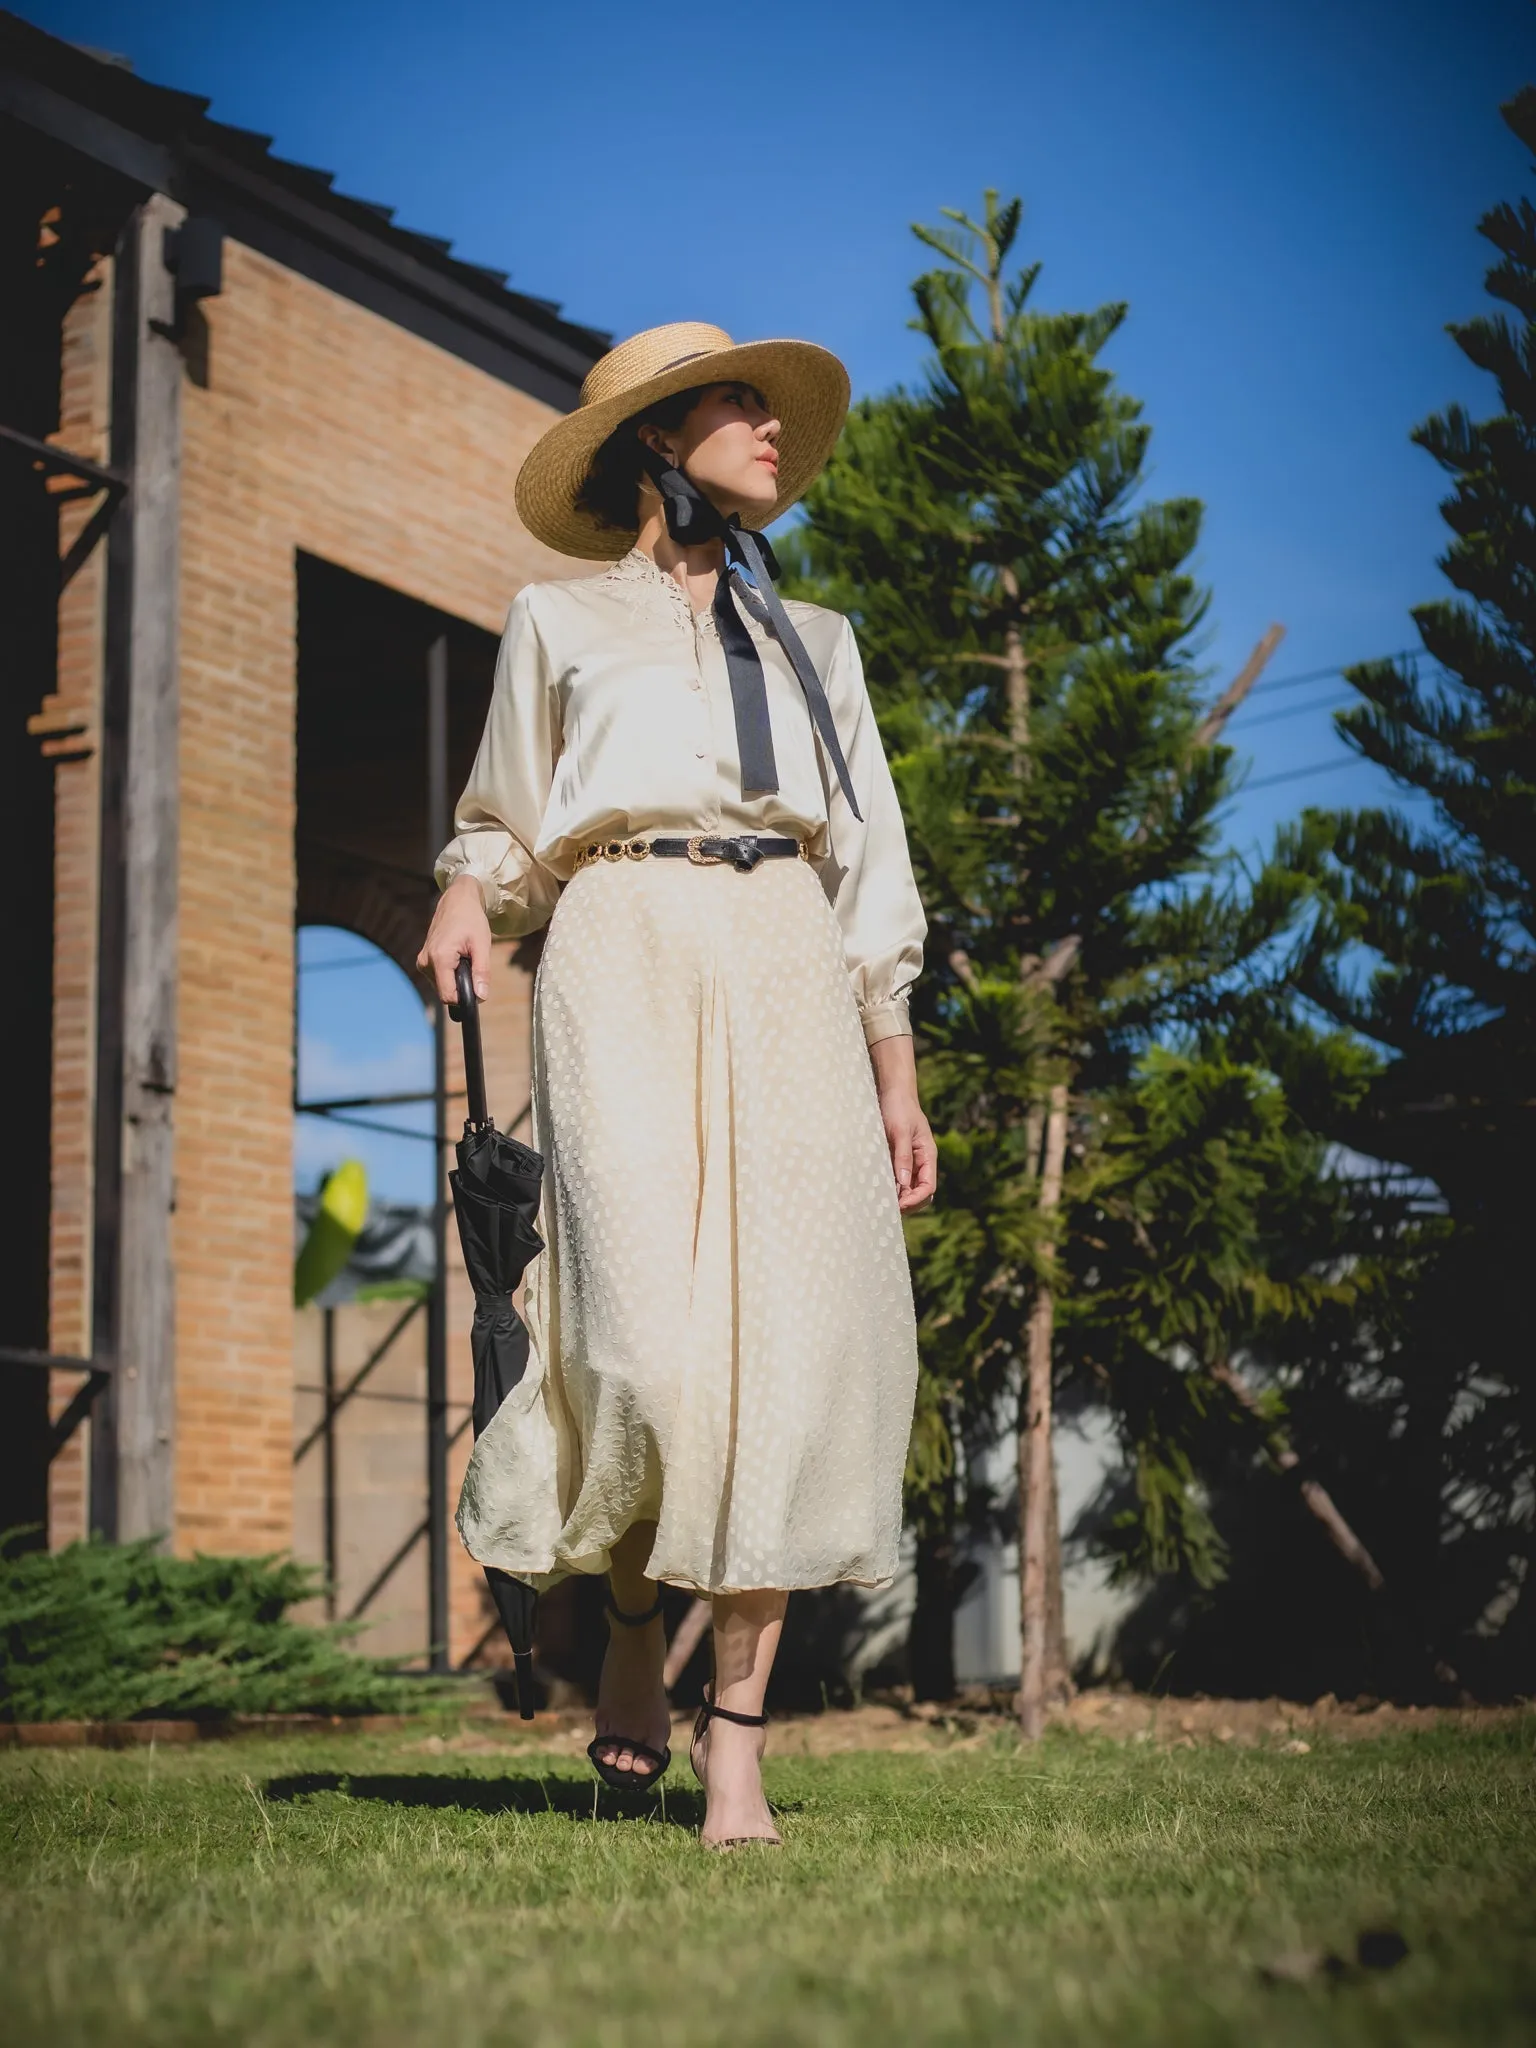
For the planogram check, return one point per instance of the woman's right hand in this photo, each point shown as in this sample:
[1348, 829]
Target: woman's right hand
[459, 929]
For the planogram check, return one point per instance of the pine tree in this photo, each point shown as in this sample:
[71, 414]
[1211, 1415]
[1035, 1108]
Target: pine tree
[1026, 616]
[1441, 903]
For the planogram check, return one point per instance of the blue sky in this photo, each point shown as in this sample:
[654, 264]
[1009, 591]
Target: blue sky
[1285, 197]
[362, 1031]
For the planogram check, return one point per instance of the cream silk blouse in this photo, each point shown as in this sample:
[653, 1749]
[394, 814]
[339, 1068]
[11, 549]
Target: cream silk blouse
[612, 718]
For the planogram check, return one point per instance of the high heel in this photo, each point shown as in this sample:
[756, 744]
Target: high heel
[658, 1759]
[710, 1712]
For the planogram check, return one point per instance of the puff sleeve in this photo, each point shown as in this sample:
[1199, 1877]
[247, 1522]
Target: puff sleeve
[868, 870]
[500, 816]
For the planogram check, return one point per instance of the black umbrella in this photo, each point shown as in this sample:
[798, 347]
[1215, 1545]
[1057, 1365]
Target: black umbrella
[496, 1199]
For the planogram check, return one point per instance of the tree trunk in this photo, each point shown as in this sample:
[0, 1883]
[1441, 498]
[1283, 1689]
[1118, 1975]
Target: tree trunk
[1058, 1679]
[1037, 1598]
[1016, 667]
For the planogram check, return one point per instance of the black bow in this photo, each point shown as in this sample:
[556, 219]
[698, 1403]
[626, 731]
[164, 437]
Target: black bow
[750, 568]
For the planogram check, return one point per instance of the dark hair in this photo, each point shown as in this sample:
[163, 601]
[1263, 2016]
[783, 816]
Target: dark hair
[612, 484]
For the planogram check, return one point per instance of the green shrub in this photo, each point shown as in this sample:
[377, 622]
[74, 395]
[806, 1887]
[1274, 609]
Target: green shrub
[110, 1631]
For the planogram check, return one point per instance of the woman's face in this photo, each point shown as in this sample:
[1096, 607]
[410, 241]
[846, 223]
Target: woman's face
[727, 446]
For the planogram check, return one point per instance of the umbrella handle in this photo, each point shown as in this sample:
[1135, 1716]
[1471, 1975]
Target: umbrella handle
[466, 1012]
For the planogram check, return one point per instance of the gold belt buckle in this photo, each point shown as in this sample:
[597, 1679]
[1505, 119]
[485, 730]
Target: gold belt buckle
[700, 858]
[614, 851]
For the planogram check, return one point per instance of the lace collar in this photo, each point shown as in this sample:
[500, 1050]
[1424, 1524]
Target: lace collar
[649, 589]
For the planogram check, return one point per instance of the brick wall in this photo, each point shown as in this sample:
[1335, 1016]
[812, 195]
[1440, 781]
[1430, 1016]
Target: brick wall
[318, 427]
[326, 429]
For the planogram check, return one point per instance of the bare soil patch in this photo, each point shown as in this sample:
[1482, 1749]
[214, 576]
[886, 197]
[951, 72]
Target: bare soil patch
[891, 1724]
[899, 1727]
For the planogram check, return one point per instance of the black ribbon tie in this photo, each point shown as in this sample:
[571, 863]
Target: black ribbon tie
[750, 569]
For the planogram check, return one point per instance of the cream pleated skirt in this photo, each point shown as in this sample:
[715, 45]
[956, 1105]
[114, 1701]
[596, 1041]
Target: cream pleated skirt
[722, 1327]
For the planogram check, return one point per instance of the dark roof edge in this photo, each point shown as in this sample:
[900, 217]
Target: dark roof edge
[163, 141]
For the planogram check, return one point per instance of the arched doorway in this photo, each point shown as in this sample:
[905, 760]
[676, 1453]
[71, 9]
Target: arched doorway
[363, 1058]
[392, 695]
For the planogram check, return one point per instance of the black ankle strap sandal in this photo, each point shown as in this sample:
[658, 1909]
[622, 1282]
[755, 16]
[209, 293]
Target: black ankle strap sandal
[658, 1759]
[633, 1620]
[710, 1712]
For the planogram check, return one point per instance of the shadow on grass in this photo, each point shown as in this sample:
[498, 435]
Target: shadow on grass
[684, 1808]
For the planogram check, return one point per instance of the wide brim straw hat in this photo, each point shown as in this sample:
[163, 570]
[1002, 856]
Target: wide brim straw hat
[806, 388]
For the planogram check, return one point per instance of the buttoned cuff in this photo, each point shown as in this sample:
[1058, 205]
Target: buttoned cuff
[453, 863]
[518, 896]
[885, 1020]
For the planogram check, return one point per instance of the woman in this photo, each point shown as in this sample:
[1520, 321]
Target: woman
[683, 777]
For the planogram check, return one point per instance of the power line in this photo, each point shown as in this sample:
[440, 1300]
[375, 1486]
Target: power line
[1313, 675]
[329, 1107]
[1318, 675]
[358, 960]
[1293, 711]
[1296, 774]
[363, 1123]
[1400, 794]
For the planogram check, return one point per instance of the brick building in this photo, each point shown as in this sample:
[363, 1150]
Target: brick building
[256, 454]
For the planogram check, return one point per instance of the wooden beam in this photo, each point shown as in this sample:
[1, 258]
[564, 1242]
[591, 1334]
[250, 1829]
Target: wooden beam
[49, 1361]
[438, 1617]
[78, 1411]
[143, 1392]
[111, 898]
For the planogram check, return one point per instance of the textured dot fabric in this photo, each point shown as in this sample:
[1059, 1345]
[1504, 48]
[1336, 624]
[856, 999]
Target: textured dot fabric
[611, 717]
[722, 1326]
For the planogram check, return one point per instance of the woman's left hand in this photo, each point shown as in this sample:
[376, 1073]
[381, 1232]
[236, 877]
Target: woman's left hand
[914, 1156]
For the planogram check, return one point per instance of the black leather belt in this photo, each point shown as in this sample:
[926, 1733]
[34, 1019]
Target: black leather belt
[742, 852]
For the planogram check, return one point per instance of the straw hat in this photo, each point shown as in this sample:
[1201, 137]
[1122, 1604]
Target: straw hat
[806, 388]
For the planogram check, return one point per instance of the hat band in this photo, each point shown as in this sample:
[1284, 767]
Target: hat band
[694, 356]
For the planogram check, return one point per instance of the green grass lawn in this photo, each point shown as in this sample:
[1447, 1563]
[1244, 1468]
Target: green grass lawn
[355, 1890]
